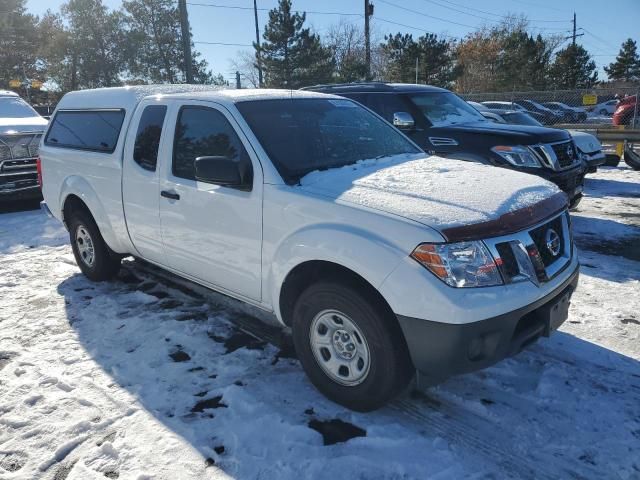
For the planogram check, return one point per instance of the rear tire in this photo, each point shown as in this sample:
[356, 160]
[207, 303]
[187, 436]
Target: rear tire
[93, 256]
[350, 345]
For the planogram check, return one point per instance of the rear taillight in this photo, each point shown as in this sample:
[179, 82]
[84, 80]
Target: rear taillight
[39, 170]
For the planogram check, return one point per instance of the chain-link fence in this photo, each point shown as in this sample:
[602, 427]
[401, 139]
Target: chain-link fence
[602, 107]
[612, 114]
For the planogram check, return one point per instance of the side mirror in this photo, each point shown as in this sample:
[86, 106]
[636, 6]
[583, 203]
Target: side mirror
[220, 171]
[403, 121]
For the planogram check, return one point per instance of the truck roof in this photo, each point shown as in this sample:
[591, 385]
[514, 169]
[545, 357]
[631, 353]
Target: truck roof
[129, 97]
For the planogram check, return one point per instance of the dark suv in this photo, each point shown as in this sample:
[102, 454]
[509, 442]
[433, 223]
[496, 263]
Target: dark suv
[442, 123]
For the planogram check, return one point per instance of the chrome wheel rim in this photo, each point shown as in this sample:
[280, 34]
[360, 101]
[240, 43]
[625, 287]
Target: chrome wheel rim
[339, 347]
[85, 246]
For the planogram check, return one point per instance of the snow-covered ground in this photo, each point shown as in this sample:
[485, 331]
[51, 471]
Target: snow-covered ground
[138, 379]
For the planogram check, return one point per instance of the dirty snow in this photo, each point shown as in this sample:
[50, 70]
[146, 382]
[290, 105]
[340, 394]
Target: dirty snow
[431, 190]
[140, 379]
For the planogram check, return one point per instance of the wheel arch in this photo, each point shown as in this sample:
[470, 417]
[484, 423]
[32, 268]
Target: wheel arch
[309, 272]
[76, 192]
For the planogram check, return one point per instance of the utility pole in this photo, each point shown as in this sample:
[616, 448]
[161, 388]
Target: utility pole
[186, 40]
[573, 37]
[258, 54]
[368, 11]
[238, 85]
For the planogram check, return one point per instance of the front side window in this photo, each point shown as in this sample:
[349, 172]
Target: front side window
[95, 130]
[204, 132]
[445, 108]
[385, 105]
[14, 107]
[303, 135]
[145, 150]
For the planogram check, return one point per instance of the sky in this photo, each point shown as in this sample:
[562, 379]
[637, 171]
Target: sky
[605, 27]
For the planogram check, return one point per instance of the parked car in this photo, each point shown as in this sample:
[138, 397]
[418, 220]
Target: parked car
[444, 124]
[625, 111]
[605, 108]
[499, 105]
[549, 116]
[570, 114]
[20, 131]
[588, 145]
[312, 208]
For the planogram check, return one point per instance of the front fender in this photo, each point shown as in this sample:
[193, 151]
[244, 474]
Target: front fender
[369, 255]
[79, 186]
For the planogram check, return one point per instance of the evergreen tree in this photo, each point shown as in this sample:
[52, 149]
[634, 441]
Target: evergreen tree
[19, 43]
[292, 56]
[90, 53]
[436, 59]
[573, 68]
[523, 61]
[154, 47]
[627, 64]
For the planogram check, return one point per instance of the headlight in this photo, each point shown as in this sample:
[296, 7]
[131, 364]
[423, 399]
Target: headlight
[464, 264]
[517, 155]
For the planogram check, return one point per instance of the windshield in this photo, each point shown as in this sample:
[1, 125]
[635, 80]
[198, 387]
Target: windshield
[303, 135]
[14, 107]
[445, 108]
[520, 118]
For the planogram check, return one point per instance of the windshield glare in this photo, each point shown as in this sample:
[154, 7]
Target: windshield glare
[445, 108]
[303, 135]
[519, 118]
[13, 107]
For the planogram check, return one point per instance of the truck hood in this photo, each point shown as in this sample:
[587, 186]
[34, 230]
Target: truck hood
[515, 134]
[26, 124]
[585, 142]
[440, 193]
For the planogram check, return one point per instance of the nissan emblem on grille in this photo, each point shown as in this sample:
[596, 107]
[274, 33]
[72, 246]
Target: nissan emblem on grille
[552, 241]
[569, 151]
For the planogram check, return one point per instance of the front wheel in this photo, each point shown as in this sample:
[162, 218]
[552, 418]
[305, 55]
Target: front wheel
[350, 346]
[92, 254]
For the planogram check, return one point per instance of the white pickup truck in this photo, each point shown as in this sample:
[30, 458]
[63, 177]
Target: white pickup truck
[381, 260]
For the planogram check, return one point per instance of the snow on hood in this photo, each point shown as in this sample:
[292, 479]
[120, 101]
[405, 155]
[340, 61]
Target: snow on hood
[22, 124]
[434, 191]
[585, 142]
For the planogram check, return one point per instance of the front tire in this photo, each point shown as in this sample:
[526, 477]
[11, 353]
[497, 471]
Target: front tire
[350, 345]
[93, 256]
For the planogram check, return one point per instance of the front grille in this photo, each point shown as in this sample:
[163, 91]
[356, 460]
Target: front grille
[538, 235]
[19, 146]
[565, 153]
[526, 255]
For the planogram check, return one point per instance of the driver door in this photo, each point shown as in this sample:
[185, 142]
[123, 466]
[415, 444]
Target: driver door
[211, 233]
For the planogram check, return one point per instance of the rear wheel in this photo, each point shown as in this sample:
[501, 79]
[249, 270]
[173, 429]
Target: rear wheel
[603, 112]
[92, 254]
[350, 345]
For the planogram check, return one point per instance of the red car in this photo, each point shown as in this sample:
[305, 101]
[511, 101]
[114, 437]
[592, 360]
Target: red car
[625, 111]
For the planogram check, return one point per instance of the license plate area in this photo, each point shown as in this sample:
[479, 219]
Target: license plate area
[555, 313]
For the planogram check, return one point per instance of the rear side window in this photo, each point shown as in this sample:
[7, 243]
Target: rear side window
[203, 132]
[95, 130]
[145, 150]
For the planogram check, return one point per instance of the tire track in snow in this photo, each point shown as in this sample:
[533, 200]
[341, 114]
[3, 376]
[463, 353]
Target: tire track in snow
[454, 423]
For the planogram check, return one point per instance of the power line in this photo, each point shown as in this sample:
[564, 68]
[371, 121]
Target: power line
[487, 13]
[426, 15]
[235, 7]
[379, 19]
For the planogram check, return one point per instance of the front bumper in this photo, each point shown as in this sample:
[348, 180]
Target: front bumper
[440, 350]
[594, 160]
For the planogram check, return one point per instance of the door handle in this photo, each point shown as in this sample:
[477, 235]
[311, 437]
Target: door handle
[171, 195]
